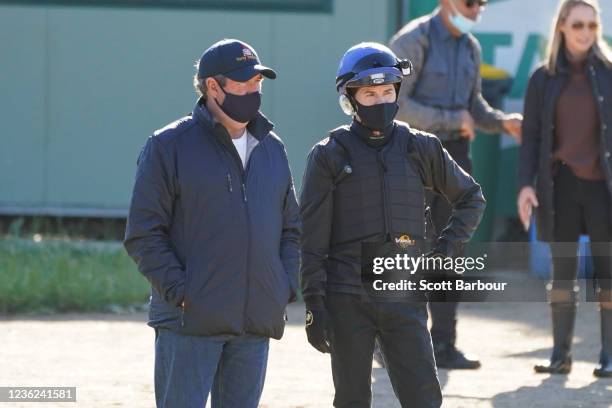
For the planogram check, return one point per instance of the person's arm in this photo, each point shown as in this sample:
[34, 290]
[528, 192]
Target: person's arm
[442, 174]
[416, 114]
[290, 239]
[485, 117]
[529, 151]
[149, 220]
[316, 208]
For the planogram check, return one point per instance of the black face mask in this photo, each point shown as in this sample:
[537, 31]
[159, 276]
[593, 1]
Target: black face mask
[241, 108]
[377, 117]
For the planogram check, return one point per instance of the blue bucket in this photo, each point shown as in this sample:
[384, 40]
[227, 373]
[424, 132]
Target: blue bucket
[540, 258]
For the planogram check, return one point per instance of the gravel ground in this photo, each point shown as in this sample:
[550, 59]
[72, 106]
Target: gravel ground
[109, 358]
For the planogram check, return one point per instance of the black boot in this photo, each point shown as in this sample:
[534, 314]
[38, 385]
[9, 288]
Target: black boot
[443, 335]
[448, 356]
[605, 357]
[563, 318]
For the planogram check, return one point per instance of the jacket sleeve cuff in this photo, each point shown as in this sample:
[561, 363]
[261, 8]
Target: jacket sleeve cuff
[315, 302]
[524, 183]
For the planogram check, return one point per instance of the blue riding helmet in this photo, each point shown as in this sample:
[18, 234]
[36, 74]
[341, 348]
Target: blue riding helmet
[370, 63]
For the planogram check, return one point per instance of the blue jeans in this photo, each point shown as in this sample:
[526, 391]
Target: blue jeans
[188, 368]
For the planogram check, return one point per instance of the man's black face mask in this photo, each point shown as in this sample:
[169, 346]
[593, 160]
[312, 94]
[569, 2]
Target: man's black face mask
[241, 108]
[376, 117]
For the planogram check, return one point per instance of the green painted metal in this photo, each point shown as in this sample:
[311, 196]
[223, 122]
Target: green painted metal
[325, 6]
[418, 8]
[83, 87]
[394, 16]
[487, 155]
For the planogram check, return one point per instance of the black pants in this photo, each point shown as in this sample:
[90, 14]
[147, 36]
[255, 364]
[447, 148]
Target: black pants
[581, 207]
[444, 313]
[406, 344]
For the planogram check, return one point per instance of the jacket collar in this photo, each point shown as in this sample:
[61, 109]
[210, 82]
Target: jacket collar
[260, 127]
[440, 28]
[564, 65]
[366, 135]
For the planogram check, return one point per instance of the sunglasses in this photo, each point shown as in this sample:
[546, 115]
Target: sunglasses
[471, 3]
[579, 25]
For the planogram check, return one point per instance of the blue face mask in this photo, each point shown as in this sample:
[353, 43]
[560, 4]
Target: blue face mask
[462, 23]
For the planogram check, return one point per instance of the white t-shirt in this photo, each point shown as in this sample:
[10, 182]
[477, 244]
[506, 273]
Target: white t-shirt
[241, 146]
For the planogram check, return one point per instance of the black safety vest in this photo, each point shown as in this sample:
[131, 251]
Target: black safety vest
[378, 193]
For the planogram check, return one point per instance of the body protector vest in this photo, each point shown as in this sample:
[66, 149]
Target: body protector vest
[379, 200]
[379, 194]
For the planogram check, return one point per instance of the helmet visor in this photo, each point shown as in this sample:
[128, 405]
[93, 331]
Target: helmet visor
[375, 76]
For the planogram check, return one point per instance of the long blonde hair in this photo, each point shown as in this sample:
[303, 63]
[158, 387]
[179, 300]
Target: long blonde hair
[601, 49]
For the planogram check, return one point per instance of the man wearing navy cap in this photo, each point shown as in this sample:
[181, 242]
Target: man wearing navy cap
[214, 227]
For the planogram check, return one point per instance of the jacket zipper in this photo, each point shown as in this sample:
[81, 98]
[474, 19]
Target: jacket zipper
[229, 182]
[382, 171]
[243, 180]
[184, 297]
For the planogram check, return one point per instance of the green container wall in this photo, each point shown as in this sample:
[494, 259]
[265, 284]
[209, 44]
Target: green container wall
[84, 86]
[419, 8]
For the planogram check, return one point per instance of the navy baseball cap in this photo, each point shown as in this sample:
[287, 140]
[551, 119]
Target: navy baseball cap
[234, 59]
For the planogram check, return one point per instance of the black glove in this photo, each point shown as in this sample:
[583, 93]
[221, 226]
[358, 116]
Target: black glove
[316, 325]
[434, 253]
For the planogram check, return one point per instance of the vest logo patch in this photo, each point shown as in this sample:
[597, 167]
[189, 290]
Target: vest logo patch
[404, 241]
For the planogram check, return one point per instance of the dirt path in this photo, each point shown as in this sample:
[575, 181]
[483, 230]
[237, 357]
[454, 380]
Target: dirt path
[109, 358]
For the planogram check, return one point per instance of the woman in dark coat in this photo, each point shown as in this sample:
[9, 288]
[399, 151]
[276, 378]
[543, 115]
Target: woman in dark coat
[565, 169]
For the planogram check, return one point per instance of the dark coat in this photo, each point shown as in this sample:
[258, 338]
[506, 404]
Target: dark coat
[204, 230]
[331, 263]
[536, 151]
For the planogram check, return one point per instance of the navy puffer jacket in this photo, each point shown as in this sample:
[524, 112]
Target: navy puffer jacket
[203, 230]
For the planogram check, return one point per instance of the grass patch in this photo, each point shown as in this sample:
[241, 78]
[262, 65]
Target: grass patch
[60, 275]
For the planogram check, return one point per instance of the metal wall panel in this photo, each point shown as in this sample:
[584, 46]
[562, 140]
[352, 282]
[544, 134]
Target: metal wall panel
[23, 107]
[95, 82]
